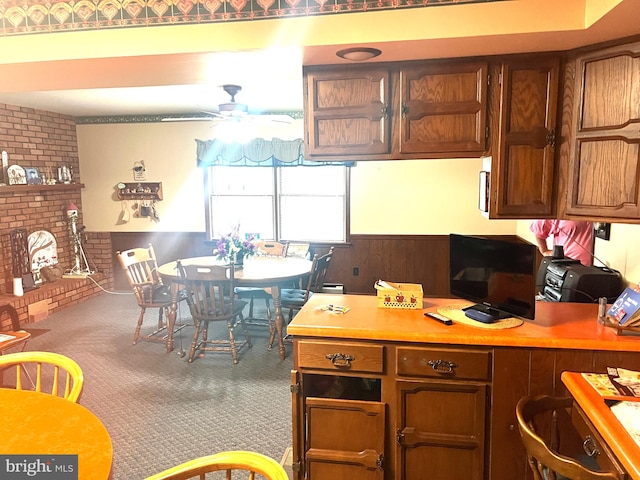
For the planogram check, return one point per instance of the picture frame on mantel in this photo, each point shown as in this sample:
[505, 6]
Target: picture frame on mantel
[33, 176]
[17, 175]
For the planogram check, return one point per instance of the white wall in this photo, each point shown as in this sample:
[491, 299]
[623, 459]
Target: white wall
[430, 197]
[395, 197]
[618, 252]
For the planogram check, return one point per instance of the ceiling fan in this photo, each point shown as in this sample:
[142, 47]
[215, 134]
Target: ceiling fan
[231, 111]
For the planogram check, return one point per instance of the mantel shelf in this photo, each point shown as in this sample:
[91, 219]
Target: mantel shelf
[11, 189]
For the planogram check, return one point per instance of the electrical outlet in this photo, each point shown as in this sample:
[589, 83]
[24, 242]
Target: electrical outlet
[602, 230]
[356, 271]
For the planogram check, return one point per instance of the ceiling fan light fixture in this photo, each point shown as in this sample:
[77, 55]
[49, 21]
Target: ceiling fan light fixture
[233, 108]
[358, 54]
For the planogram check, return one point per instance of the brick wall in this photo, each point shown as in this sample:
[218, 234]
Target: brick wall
[46, 141]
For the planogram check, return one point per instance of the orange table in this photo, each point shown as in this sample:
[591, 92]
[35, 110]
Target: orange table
[606, 423]
[265, 272]
[33, 423]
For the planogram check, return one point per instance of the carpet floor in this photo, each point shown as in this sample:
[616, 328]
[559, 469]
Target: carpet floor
[159, 409]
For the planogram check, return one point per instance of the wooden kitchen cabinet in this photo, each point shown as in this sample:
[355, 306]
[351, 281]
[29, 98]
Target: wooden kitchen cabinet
[419, 408]
[407, 410]
[395, 111]
[522, 166]
[347, 112]
[604, 167]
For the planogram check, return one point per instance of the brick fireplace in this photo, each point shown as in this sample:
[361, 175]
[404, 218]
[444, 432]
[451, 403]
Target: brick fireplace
[46, 141]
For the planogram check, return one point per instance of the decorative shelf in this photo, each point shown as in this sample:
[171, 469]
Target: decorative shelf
[140, 190]
[58, 187]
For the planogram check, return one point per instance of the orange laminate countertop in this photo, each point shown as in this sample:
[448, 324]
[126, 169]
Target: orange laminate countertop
[556, 325]
[609, 427]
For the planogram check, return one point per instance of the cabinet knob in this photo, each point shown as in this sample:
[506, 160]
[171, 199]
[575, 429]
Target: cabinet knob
[589, 446]
[385, 111]
[551, 138]
[340, 359]
[405, 109]
[443, 367]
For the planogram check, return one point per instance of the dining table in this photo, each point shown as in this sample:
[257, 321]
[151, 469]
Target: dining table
[269, 272]
[46, 427]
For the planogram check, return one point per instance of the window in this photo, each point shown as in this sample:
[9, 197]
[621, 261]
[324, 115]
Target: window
[279, 203]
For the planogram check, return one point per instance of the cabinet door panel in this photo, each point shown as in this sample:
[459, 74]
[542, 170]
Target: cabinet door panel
[522, 173]
[611, 82]
[345, 439]
[441, 430]
[604, 169]
[347, 112]
[443, 108]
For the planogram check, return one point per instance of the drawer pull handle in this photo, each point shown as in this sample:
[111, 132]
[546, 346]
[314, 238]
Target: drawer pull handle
[340, 359]
[442, 366]
[590, 447]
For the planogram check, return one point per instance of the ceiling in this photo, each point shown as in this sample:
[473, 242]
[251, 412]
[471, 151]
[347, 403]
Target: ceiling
[271, 79]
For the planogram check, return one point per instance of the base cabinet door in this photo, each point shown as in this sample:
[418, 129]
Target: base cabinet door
[345, 439]
[441, 430]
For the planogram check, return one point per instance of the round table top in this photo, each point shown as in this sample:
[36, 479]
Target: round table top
[33, 423]
[257, 270]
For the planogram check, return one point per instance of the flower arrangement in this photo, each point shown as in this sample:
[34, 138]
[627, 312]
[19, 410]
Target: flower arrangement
[232, 247]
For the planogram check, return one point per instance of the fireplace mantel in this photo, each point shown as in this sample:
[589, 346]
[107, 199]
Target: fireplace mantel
[58, 187]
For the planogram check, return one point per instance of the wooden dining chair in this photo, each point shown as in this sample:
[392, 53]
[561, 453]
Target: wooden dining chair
[210, 297]
[243, 463]
[544, 458]
[295, 298]
[47, 372]
[11, 335]
[269, 249]
[141, 268]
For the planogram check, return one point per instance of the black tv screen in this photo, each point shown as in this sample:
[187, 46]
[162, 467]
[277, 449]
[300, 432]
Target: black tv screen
[499, 275]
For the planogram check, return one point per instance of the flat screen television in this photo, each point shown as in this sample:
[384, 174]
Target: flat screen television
[499, 275]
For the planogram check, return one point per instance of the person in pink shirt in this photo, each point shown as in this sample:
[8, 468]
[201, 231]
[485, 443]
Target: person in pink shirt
[576, 238]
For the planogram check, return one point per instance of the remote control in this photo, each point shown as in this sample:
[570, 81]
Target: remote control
[440, 318]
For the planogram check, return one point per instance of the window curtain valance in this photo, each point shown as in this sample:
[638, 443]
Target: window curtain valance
[256, 153]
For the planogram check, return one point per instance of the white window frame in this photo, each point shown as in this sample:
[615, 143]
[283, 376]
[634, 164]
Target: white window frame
[215, 228]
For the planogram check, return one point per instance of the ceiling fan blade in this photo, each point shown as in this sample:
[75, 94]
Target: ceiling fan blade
[191, 117]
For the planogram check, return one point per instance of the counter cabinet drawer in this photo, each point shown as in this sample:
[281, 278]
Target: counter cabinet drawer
[593, 444]
[459, 364]
[341, 356]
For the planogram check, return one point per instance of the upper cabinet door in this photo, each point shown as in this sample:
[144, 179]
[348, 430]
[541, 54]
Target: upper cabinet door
[347, 112]
[443, 107]
[604, 171]
[522, 171]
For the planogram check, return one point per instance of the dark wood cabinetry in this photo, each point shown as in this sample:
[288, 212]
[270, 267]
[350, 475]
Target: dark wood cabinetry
[347, 112]
[395, 111]
[418, 408]
[604, 169]
[522, 166]
[443, 108]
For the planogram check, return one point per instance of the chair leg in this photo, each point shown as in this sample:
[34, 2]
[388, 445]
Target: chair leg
[245, 330]
[232, 341]
[194, 343]
[160, 319]
[136, 334]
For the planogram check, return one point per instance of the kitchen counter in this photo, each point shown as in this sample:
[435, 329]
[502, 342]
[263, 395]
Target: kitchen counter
[432, 377]
[556, 325]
